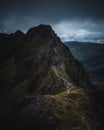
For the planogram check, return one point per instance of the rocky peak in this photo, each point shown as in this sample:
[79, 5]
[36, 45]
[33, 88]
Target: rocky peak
[43, 33]
[45, 44]
[40, 29]
[18, 33]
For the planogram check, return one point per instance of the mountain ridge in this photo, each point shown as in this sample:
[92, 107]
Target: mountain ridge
[44, 86]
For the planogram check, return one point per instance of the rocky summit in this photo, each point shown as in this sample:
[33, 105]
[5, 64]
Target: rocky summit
[42, 85]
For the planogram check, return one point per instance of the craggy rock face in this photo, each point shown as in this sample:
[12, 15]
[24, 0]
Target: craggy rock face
[35, 72]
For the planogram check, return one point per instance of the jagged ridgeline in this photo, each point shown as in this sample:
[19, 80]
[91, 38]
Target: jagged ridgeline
[42, 86]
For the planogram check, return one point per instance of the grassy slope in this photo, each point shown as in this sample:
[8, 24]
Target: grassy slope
[70, 112]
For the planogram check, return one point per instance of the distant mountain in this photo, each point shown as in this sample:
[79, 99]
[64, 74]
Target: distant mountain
[42, 86]
[91, 55]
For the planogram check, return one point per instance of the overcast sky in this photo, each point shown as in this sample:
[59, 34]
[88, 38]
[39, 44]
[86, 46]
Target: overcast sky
[81, 20]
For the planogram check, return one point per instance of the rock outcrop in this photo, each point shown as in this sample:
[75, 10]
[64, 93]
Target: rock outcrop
[36, 69]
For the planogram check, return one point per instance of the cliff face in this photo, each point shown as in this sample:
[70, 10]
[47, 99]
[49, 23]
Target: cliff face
[36, 69]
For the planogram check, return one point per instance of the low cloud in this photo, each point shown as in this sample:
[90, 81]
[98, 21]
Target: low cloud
[84, 31]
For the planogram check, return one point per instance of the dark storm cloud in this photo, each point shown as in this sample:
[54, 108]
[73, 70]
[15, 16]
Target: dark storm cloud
[57, 9]
[23, 14]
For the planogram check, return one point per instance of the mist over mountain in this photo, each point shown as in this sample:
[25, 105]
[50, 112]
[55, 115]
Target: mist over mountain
[43, 86]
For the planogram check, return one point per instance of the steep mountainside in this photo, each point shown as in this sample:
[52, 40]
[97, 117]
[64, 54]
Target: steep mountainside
[36, 72]
[92, 57]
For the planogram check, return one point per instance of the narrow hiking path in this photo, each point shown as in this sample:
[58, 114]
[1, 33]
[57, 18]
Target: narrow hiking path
[66, 82]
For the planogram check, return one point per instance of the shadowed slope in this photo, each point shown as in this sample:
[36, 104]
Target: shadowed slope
[35, 73]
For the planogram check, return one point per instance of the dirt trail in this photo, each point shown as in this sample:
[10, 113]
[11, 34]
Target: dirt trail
[66, 82]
